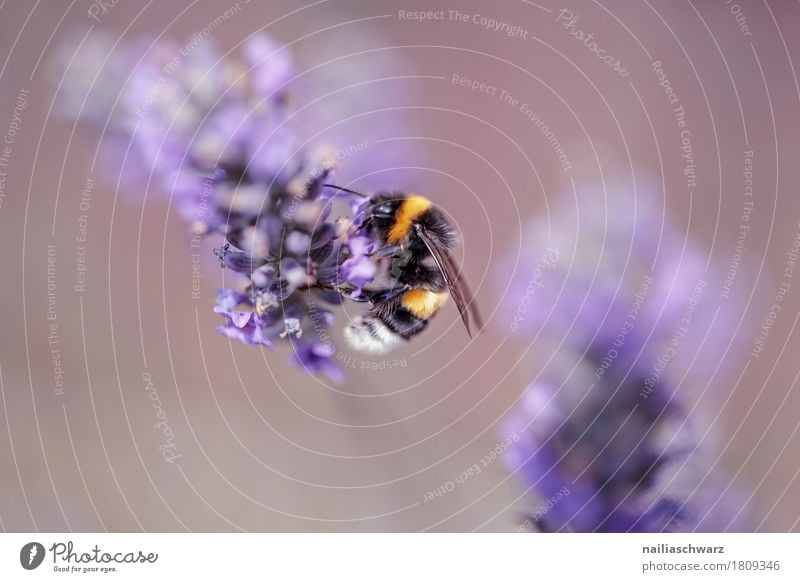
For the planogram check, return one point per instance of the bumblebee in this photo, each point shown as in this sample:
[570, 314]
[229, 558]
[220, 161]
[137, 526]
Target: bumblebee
[419, 273]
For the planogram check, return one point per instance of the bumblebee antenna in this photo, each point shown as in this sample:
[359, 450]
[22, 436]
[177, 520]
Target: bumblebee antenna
[348, 190]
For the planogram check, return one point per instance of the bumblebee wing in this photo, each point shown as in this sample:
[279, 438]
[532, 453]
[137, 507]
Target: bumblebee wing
[463, 289]
[462, 296]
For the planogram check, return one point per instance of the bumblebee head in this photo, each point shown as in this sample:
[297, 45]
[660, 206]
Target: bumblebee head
[385, 206]
[384, 210]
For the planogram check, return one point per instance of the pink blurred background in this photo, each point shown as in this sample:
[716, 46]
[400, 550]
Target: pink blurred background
[263, 447]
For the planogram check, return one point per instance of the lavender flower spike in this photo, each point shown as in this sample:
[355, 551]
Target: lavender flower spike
[610, 433]
[213, 133]
[292, 258]
[611, 461]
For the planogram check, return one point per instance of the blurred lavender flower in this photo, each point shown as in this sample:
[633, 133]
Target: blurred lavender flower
[191, 113]
[626, 463]
[609, 435]
[212, 131]
[317, 358]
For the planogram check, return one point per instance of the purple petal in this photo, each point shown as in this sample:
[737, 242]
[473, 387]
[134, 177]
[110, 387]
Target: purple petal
[240, 318]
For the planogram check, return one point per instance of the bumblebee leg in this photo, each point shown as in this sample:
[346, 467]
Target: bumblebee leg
[375, 296]
[346, 290]
[387, 294]
[387, 251]
[363, 298]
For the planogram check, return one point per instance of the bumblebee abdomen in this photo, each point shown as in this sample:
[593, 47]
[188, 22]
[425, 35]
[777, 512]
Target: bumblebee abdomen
[377, 333]
[389, 324]
[422, 303]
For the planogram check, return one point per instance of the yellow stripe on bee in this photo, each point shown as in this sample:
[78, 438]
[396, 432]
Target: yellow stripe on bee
[408, 212]
[423, 303]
